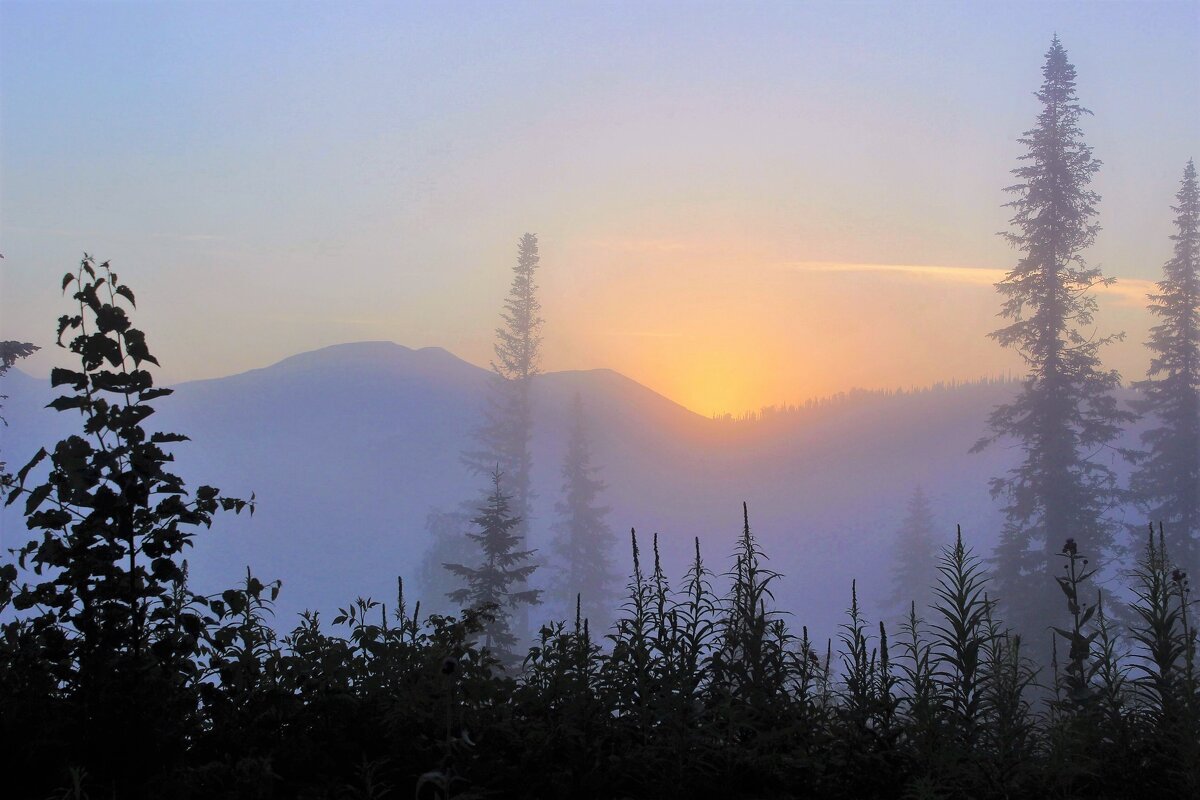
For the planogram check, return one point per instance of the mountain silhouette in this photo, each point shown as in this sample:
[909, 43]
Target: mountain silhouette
[348, 448]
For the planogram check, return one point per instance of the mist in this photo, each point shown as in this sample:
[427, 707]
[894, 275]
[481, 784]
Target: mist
[599, 402]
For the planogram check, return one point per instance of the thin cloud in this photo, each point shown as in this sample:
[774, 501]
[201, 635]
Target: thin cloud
[975, 275]
[1127, 291]
[1131, 291]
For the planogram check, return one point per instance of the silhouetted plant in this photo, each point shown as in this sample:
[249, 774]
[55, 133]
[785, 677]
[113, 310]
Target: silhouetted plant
[750, 646]
[922, 700]
[629, 671]
[112, 637]
[1080, 669]
[241, 681]
[1009, 733]
[1165, 679]
[961, 634]
[1159, 630]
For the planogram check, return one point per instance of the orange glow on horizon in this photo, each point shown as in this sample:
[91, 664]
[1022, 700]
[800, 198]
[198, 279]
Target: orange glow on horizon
[733, 334]
[713, 381]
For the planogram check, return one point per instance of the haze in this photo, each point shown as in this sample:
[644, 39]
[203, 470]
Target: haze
[737, 205]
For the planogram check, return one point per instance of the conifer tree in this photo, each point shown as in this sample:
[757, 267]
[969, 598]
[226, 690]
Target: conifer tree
[1065, 415]
[490, 586]
[1168, 481]
[583, 540]
[916, 554]
[504, 437]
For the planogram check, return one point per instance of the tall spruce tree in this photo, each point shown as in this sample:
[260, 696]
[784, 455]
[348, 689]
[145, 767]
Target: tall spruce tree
[583, 540]
[1168, 481]
[916, 557]
[503, 566]
[1065, 417]
[503, 440]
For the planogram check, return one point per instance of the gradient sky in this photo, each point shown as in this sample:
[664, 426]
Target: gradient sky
[738, 203]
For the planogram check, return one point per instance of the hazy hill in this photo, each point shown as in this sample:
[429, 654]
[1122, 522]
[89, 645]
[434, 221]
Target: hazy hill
[348, 448]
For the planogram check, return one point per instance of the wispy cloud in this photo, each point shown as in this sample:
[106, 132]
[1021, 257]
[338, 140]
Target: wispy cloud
[1131, 291]
[1127, 291]
[975, 275]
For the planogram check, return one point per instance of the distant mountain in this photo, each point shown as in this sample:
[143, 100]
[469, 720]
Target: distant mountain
[348, 448]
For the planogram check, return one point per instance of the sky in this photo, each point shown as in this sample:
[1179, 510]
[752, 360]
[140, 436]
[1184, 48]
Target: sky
[738, 204]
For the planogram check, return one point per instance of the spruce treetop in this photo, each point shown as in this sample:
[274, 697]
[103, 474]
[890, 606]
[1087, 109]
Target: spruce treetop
[518, 341]
[1046, 294]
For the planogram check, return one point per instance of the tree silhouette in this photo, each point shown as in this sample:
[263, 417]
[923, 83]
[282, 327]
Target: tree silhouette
[1168, 481]
[916, 556]
[503, 566]
[504, 437]
[1066, 412]
[583, 540]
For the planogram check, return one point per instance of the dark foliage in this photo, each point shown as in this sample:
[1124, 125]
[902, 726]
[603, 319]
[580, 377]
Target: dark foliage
[104, 655]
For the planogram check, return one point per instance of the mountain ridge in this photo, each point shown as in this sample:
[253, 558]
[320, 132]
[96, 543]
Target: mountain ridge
[349, 448]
